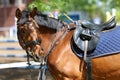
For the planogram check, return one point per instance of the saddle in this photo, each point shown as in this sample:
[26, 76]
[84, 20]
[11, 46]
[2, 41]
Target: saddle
[102, 44]
[110, 24]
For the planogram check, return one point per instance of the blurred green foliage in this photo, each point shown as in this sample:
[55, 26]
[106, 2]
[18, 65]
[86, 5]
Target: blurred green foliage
[92, 7]
[51, 5]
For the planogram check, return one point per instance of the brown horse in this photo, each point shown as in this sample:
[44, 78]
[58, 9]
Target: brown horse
[55, 42]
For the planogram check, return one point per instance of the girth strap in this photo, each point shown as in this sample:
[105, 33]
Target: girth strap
[88, 68]
[88, 62]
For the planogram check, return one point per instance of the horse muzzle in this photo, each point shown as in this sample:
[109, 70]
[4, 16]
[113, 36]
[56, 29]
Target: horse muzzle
[38, 52]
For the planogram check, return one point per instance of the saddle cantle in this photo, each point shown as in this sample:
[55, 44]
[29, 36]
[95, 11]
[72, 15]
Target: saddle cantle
[107, 42]
[111, 23]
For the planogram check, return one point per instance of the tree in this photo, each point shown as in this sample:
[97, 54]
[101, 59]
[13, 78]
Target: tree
[92, 7]
[51, 5]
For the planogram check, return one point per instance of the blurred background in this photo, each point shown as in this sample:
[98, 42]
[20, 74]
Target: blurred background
[96, 11]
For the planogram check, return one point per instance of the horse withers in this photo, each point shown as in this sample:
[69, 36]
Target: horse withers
[61, 60]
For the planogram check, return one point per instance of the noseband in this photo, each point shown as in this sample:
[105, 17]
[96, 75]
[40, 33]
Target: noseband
[35, 42]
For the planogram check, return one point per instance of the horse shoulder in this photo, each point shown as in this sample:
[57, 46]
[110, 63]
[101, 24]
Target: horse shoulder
[63, 60]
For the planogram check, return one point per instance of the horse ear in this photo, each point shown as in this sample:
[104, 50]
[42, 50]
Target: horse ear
[18, 13]
[33, 12]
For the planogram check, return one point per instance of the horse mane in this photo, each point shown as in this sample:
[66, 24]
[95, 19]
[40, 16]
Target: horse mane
[45, 21]
[25, 13]
[24, 17]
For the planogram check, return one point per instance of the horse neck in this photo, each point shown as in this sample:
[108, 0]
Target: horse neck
[47, 36]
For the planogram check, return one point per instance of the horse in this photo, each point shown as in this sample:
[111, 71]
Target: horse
[61, 44]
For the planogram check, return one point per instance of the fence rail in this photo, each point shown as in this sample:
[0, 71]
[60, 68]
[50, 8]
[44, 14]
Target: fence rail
[8, 40]
[8, 31]
[34, 65]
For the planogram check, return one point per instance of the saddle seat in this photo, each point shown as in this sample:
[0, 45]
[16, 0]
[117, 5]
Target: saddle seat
[109, 43]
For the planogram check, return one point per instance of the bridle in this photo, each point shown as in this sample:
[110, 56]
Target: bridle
[28, 44]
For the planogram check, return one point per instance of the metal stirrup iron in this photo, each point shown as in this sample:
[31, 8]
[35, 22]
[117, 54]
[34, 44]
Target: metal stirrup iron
[85, 49]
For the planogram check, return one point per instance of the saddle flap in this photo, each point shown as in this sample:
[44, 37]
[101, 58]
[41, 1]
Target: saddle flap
[92, 43]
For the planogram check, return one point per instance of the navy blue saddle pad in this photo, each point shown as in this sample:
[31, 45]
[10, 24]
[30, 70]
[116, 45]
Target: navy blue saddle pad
[109, 43]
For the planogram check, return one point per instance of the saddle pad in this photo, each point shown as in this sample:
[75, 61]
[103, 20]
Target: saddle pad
[109, 43]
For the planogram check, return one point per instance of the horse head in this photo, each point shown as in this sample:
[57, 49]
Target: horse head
[91, 32]
[27, 31]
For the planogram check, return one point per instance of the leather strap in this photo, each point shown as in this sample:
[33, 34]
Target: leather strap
[88, 62]
[88, 68]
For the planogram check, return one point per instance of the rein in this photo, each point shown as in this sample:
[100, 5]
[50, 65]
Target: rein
[55, 41]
